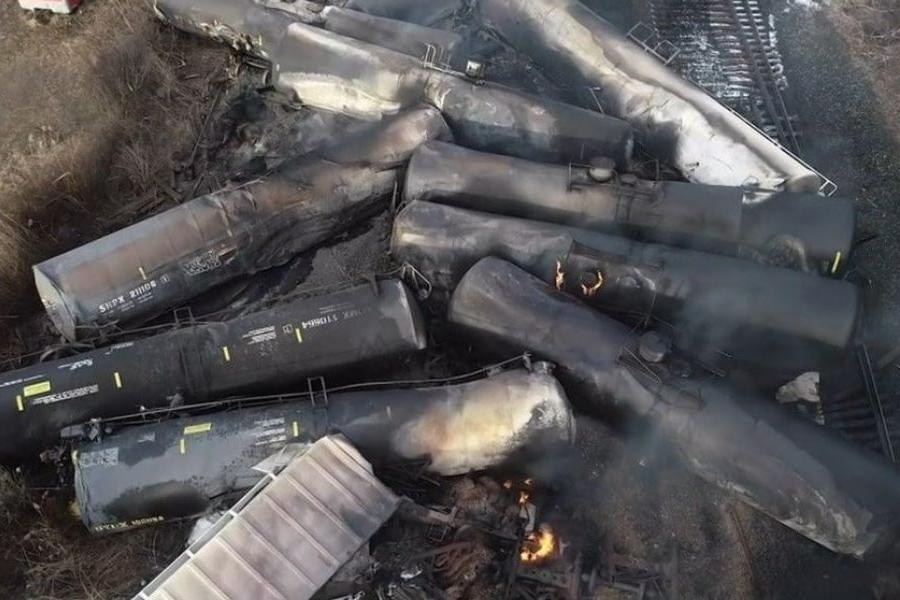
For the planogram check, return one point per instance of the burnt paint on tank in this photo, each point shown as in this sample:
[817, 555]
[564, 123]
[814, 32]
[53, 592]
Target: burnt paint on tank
[801, 474]
[714, 302]
[161, 262]
[177, 468]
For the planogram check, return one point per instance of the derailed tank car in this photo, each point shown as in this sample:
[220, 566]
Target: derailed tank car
[720, 308]
[407, 38]
[341, 74]
[161, 262]
[804, 476]
[179, 468]
[794, 229]
[355, 77]
[258, 26]
[413, 11]
[269, 349]
[677, 121]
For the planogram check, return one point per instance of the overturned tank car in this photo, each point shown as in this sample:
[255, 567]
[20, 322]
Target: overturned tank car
[720, 308]
[413, 11]
[677, 121]
[159, 263]
[802, 230]
[359, 78]
[398, 35]
[270, 349]
[796, 472]
[258, 26]
[179, 468]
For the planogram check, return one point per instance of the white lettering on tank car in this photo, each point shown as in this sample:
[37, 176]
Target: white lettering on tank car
[107, 457]
[67, 395]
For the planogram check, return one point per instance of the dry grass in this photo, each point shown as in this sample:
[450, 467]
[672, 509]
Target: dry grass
[872, 29]
[61, 563]
[48, 555]
[874, 25]
[136, 94]
[99, 113]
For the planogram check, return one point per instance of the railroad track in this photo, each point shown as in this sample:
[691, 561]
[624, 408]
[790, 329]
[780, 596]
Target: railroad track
[729, 48]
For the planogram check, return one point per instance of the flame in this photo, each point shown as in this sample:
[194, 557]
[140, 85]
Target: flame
[560, 276]
[589, 291]
[524, 497]
[539, 545]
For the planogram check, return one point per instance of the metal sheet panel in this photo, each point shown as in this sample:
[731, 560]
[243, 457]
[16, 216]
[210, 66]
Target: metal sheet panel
[288, 536]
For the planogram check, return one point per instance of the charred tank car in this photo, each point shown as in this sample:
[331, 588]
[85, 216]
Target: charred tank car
[179, 468]
[266, 350]
[357, 77]
[413, 11]
[802, 475]
[159, 263]
[723, 310]
[677, 121]
[801, 230]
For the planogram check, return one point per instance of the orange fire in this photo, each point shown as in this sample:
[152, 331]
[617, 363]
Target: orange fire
[589, 291]
[560, 276]
[524, 497]
[539, 545]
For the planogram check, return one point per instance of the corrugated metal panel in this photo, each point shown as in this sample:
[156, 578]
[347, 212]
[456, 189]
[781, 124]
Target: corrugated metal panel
[288, 536]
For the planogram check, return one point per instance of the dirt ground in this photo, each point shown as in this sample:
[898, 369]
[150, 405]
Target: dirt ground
[100, 117]
[99, 113]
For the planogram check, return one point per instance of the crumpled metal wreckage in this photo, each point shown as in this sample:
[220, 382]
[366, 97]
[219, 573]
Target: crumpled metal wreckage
[800, 474]
[764, 316]
[559, 201]
[179, 468]
[161, 262]
[677, 121]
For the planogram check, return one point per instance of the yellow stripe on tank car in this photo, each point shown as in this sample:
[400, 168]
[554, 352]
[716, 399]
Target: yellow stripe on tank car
[199, 428]
[36, 389]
